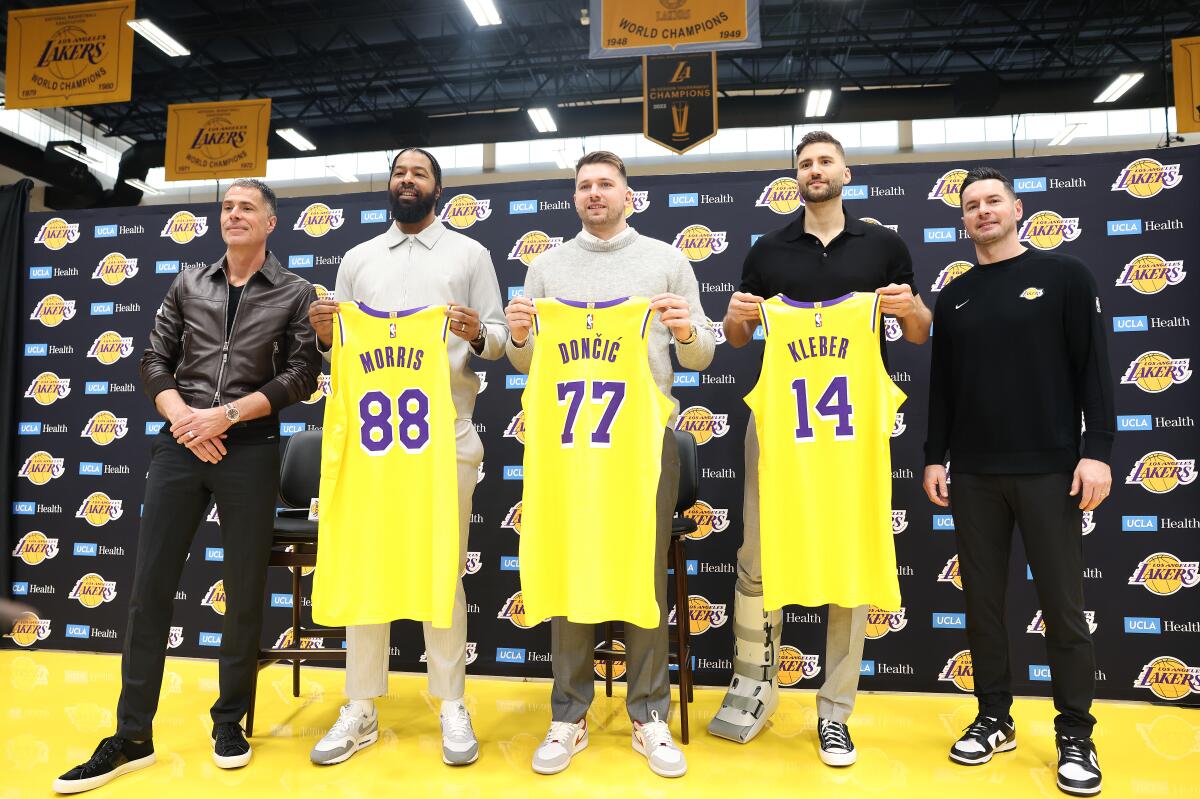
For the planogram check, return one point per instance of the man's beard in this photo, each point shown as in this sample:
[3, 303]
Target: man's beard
[410, 211]
[833, 188]
[611, 215]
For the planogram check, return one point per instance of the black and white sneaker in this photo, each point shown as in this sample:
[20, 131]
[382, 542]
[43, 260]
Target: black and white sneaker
[230, 747]
[1078, 767]
[112, 758]
[985, 736]
[836, 747]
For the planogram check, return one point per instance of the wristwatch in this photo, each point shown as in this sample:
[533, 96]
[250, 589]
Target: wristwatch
[479, 340]
[232, 413]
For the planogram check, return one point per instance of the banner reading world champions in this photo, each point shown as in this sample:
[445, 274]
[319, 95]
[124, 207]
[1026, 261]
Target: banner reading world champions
[93, 281]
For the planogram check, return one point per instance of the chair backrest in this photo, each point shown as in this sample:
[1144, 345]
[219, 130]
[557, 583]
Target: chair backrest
[300, 472]
[689, 471]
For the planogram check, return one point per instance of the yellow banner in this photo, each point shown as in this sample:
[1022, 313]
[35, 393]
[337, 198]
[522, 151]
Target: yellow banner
[1185, 57]
[629, 27]
[70, 55]
[217, 140]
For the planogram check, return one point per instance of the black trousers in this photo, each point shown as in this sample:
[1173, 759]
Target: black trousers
[245, 485]
[985, 507]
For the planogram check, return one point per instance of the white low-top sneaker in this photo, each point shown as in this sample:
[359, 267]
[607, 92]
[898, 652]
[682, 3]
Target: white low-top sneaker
[560, 744]
[459, 746]
[654, 741]
[352, 731]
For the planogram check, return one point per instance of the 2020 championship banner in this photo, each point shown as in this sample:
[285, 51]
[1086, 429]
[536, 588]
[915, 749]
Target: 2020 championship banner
[95, 278]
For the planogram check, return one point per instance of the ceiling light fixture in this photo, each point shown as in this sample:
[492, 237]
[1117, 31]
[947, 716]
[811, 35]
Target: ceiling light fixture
[1065, 135]
[158, 37]
[78, 153]
[817, 104]
[294, 138]
[143, 186]
[484, 12]
[1120, 85]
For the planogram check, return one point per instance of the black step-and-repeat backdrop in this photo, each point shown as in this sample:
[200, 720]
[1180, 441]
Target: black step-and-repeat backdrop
[94, 280]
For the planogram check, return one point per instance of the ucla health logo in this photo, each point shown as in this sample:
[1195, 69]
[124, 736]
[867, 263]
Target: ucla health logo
[114, 269]
[35, 547]
[1145, 177]
[92, 590]
[899, 521]
[317, 219]
[697, 242]
[52, 310]
[463, 210]
[531, 245]
[41, 467]
[1161, 472]
[639, 203]
[47, 388]
[98, 509]
[1037, 626]
[183, 226]
[703, 424]
[1155, 372]
[1046, 230]
[57, 233]
[1149, 273]
[105, 427]
[110, 347]
[781, 195]
[1169, 678]
[950, 272]
[1164, 574]
[948, 188]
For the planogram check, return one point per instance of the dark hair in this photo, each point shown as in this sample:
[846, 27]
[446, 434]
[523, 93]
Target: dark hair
[820, 137]
[437, 168]
[987, 173]
[268, 194]
[602, 157]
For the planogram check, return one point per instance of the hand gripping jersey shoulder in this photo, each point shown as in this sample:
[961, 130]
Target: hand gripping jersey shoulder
[824, 407]
[389, 484]
[594, 425]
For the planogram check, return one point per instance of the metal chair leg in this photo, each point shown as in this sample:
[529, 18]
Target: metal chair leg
[250, 710]
[682, 624]
[296, 628]
[608, 664]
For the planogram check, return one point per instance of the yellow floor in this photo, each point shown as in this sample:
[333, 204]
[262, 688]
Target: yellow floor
[56, 706]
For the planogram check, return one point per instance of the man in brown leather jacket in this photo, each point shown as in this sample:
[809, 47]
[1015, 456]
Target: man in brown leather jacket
[231, 346]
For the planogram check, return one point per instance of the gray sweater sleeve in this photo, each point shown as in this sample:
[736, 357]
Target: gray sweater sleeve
[699, 354]
[522, 357]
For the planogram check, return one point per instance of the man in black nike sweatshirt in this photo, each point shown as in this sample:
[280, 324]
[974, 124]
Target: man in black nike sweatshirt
[1018, 357]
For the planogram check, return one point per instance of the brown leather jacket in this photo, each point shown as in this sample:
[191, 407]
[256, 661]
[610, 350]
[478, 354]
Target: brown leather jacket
[271, 348]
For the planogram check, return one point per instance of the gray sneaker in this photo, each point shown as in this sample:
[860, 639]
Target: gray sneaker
[560, 744]
[459, 747]
[351, 732]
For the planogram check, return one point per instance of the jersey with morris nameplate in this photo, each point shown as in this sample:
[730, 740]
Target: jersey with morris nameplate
[824, 407]
[594, 424]
[389, 482]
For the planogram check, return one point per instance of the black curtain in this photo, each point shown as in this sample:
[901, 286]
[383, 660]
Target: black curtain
[14, 202]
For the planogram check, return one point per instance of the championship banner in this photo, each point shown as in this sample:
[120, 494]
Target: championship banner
[643, 27]
[70, 55]
[679, 100]
[217, 140]
[1185, 60]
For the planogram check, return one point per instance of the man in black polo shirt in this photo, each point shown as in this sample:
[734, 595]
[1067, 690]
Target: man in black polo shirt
[822, 254]
[1019, 356]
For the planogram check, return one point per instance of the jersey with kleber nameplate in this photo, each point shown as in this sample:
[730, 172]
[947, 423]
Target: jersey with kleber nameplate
[388, 526]
[594, 427]
[824, 407]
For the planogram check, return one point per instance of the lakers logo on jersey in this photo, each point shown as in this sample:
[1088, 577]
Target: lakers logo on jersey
[824, 407]
[388, 452]
[591, 413]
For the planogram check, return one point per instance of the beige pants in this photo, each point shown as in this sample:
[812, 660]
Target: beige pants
[846, 629]
[368, 645]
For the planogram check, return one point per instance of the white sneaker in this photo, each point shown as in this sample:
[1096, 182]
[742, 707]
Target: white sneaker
[352, 731]
[459, 747]
[654, 741]
[561, 743]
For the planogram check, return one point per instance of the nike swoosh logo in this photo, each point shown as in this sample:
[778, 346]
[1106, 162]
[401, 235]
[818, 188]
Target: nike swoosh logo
[961, 304]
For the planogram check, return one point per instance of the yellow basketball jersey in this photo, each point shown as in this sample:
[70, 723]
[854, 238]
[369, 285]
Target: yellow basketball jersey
[594, 424]
[824, 407]
[388, 513]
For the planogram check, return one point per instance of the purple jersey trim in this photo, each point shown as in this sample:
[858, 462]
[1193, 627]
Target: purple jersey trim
[362, 306]
[875, 312]
[581, 304]
[822, 304]
[646, 320]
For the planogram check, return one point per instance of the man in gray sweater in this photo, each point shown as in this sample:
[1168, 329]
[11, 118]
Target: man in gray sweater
[607, 260]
